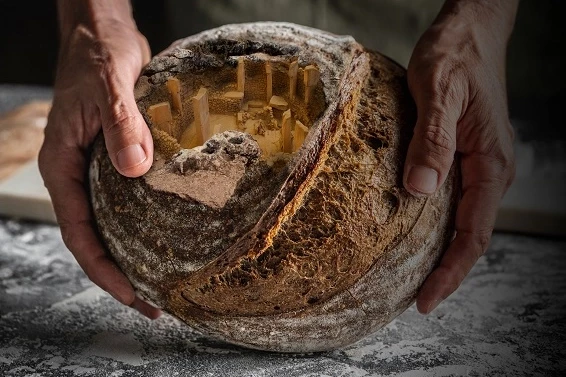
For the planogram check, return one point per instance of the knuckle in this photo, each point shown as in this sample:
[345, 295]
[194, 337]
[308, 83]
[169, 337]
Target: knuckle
[512, 133]
[120, 124]
[480, 241]
[507, 163]
[510, 170]
[445, 81]
[89, 271]
[453, 275]
[71, 241]
[511, 177]
[500, 157]
[439, 80]
[438, 140]
[456, 280]
[42, 161]
[67, 234]
[69, 231]
[47, 165]
[505, 159]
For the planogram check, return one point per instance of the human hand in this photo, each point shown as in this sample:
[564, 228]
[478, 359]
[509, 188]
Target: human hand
[457, 78]
[99, 62]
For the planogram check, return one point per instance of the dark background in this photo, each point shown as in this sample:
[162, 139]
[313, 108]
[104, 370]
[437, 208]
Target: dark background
[28, 40]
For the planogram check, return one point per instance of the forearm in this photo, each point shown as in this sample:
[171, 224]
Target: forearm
[92, 14]
[496, 17]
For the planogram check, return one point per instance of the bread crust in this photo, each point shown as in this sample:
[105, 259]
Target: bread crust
[328, 250]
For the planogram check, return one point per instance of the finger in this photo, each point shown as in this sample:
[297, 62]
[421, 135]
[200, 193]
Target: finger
[66, 188]
[128, 139]
[146, 309]
[483, 186]
[64, 179]
[431, 151]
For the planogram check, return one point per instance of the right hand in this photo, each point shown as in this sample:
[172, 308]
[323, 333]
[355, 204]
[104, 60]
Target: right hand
[98, 67]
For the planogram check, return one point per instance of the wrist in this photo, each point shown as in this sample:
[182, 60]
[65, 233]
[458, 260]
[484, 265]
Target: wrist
[94, 15]
[493, 18]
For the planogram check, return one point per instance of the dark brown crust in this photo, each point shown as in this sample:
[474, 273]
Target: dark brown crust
[341, 227]
[340, 248]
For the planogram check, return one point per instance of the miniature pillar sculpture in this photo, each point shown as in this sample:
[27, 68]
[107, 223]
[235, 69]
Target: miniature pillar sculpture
[174, 86]
[269, 76]
[293, 71]
[200, 109]
[160, 115]
[241, 74]
[299, 135]
[286, 127]
[312, 75]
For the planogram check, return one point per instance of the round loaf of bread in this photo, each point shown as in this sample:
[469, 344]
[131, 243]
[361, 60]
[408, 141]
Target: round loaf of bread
[274, 215]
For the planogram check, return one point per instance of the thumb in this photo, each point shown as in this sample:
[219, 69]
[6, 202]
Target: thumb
[431, 151]
[128, 139]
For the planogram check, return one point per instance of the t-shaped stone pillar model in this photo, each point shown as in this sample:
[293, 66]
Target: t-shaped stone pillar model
[293, 72]
[201, 112]
[160, 115]
[174, 86]
[312, 77]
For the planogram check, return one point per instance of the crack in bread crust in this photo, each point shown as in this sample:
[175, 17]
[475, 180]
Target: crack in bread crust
[328, 249]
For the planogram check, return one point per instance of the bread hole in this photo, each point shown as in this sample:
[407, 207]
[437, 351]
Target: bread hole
[391, 203]
[237, 277]
[335, 213]
[306, 270]
[312, 300]
[321, 232]
[276, 307]
[271, 98]
[375, 142]
[355, 145]
[384, 118]
[344, 261]
[245, 266]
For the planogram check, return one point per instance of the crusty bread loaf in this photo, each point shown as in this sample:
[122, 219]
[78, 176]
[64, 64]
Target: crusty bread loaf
[293, 251]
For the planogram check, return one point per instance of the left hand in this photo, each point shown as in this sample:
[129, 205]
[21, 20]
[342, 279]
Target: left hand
[457, 78]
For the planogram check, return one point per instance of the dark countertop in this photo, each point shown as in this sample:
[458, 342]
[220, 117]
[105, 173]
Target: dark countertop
[507, 318]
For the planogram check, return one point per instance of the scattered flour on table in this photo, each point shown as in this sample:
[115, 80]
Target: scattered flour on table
[78, 301]
[120, 347]
[5, 273]
[80, 370]
[53, 363]
[9, 354]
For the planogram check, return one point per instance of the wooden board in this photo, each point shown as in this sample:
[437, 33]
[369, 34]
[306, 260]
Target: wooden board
[24, 195]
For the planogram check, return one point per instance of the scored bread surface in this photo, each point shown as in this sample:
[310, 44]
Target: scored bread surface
[308, 254]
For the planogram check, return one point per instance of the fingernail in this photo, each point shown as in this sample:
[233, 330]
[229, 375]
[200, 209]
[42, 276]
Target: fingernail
[423, 179]
[433, 306]
[130, 156]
